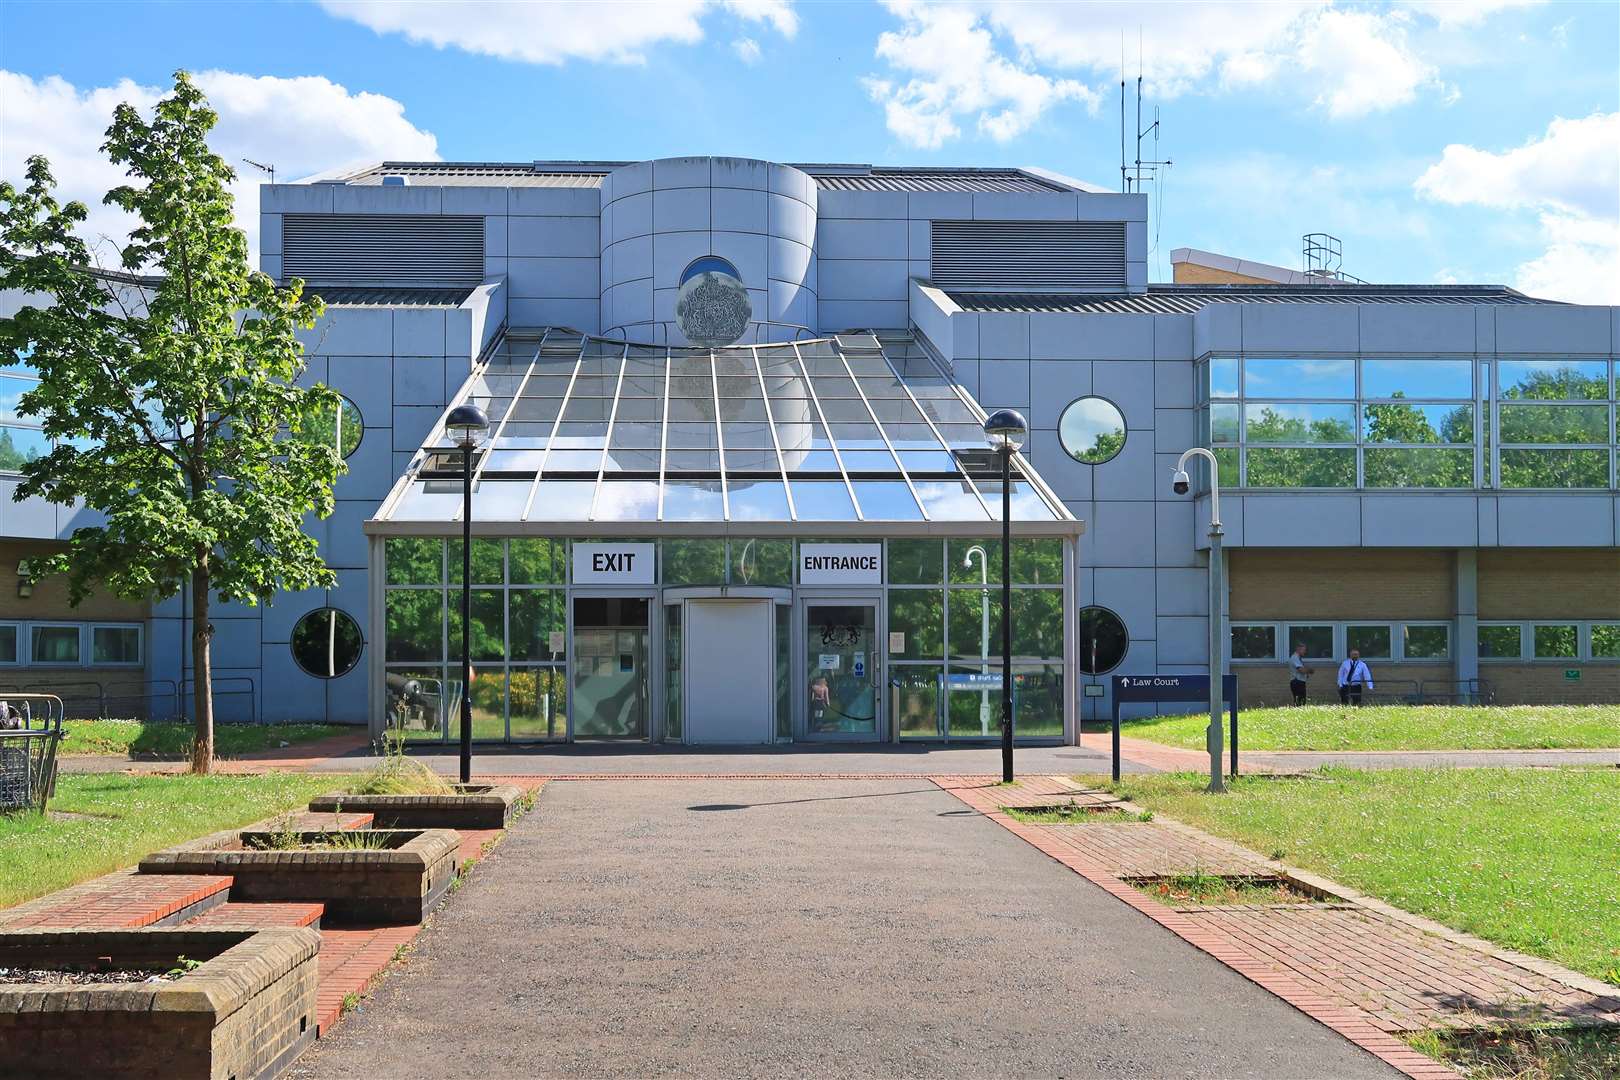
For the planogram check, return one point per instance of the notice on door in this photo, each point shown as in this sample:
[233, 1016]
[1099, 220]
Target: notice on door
[613, 564]
[840, 564]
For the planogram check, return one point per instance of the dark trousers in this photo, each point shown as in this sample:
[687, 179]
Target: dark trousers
[1350, 694]
[1298, 688]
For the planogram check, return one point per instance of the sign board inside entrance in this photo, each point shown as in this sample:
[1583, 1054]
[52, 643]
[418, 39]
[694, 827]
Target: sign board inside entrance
[840, 564]
[614, 564]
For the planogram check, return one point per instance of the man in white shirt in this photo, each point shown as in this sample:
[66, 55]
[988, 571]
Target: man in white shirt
[1353, 677]
[1298, 672]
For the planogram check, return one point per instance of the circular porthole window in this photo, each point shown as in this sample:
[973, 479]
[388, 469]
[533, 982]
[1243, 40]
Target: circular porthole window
[326, 643]
[341, 428]
[1092, 430]
[1103, 640]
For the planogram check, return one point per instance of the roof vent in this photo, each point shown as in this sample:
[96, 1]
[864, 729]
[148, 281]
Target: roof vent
[395, 180]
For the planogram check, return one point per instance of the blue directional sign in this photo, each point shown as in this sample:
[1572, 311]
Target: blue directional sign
[1161, 688]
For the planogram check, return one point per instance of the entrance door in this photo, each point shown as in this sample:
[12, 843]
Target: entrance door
[729, 671]
[842, 660]
[610, 691]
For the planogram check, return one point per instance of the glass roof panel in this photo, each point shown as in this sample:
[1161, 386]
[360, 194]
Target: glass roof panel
[822, 500]
[758, 500]
[627, 500]
[1027, 505]
[682, 434]
[693, 500]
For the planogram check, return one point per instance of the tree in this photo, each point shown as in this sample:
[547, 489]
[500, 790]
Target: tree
[170, 413]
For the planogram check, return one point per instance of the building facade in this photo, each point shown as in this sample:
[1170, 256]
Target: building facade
[735, 489]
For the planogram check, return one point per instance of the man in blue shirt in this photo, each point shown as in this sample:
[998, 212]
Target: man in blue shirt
[1353, 677]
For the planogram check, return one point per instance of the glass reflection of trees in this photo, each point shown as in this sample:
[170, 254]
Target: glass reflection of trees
[1553, 421]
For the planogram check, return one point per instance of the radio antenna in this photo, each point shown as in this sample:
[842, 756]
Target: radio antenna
[262, 167]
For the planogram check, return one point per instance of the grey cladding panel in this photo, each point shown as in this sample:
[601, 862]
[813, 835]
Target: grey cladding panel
[1028, 254]
[368, 248]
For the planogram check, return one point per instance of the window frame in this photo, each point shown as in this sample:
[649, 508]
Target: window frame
[1398, 641]
[1527, 642]
[16, 626]
[1276, 641]
[34, 661]
[140, 645]
[1286, 643]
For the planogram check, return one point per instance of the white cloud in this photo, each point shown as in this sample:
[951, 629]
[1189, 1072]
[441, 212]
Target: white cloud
[561, 30]
[301, 125]
[955, 73]
[1571, 177]
[1574, 167]
[1348, 60]
[747, 50]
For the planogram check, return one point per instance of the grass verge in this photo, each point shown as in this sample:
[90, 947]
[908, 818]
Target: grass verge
[141, 737]
[1555, 1054]
[1526, 858]
[1071, 813]
[1401, 727]
[126, 817]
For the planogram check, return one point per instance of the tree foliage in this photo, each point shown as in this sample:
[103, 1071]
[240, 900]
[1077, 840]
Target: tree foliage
[169, 400]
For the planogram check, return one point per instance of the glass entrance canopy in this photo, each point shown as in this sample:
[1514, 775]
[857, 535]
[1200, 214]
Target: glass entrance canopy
[852, 428]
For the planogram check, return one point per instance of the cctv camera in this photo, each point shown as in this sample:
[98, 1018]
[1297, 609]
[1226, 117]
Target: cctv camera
[1179, 483]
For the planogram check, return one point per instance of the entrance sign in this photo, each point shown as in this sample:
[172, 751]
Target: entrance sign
[840, 564]
[614, 564]
[830, 661]
[1157, 688]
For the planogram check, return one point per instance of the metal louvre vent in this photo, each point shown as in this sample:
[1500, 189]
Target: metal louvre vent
[1028, 255]
[383, 248]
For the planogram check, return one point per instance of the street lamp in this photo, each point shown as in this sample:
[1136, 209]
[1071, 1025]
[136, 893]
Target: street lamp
[984, 629]
[1217, 650]
[1005, 431]
[466, 426]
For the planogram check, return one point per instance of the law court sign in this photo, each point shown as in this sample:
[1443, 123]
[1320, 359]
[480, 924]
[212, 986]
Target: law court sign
[840, 564]
[614, 564]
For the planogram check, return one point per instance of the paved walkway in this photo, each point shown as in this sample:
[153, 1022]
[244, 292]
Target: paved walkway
[835, 928]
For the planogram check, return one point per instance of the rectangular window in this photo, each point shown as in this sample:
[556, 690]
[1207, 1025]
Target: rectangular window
[1398, 422]
[1310, 423]
[115, 645]
[1417, 378]
[1605, 641]
[1415, 467]
[1426, 642]
[8, 643]
[1556, 641]
[1300, 467]
[1542, 468]
[49, 644]
[1223, 377]
[1254, 642]
[1553, 380]
[1318, 641]
[1272, 378]
[20, 445]
[1372, 641]
[1224, 422]
[1501, 642]
[1576, 424]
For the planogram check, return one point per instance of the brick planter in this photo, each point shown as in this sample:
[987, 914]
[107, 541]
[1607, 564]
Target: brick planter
[246, 1012]
[475, 806]
[398, 884]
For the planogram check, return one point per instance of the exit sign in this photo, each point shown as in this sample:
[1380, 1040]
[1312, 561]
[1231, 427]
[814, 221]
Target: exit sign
[1572, 674]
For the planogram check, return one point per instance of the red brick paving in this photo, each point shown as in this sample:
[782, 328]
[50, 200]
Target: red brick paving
[1364, 973]
[350, 960]
[257, 916]
[118, 901]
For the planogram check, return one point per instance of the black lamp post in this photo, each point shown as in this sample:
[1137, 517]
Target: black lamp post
[466, 426]
[1006, 430]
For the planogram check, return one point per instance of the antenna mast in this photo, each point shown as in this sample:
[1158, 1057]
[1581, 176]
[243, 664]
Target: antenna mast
[262, 167]
[1145, 169]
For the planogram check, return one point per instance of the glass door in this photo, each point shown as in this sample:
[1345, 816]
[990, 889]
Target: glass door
[611, 694]
[842, 677]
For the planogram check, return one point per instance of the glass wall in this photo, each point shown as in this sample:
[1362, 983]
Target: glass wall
[941, 603]
[1389, 423]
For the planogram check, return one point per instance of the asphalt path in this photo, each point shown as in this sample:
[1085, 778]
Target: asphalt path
[803, 928]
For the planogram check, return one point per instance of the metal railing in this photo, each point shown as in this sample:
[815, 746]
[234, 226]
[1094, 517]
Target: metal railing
[30, 732]
[235, 698]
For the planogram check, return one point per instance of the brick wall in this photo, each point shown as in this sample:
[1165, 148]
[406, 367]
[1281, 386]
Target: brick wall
[1335, 585]
[50, 598]
[1549, 584]
[1262, 685]
[1544, 683]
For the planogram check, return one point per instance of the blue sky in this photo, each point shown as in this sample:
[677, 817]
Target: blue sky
[1442, 142]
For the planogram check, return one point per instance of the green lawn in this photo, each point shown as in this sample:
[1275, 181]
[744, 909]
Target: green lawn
[127, 817]
[1528, 858]
[126, 736]
[1401, 727]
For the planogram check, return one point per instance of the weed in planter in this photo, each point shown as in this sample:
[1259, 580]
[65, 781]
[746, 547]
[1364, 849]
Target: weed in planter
[182, 965]
[1198, 887]
[399, 774]
[1069, 813]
